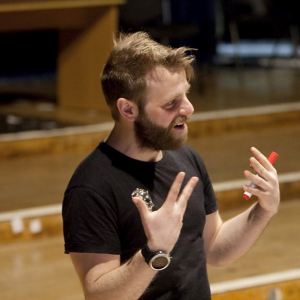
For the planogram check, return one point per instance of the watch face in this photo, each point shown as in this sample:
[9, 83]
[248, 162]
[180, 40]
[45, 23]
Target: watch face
[160, 262]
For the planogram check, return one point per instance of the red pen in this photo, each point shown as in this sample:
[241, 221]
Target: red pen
[272, 157]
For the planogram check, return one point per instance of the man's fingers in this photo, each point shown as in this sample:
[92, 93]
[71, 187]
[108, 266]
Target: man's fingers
[187, 191]
[141, 206]
[262, 160]
[175, 189]
[258, 168]
[173, 195]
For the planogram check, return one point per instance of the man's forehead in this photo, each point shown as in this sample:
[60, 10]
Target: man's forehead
[163, 84]
[159, 73]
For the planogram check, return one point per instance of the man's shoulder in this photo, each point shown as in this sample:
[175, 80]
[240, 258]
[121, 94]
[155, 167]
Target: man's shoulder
[185, 151]
[90, 169]
[188, 156]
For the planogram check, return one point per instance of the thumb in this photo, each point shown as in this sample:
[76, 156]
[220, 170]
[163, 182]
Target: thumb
[141, 206]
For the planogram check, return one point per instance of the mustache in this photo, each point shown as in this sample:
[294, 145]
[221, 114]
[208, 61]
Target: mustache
[181, 119]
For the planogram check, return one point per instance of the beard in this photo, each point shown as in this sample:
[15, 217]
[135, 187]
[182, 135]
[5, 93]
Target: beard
[151, 136]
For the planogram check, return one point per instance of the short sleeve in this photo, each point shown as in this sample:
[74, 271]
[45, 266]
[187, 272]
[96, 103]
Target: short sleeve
[89, 223]
[210, 202]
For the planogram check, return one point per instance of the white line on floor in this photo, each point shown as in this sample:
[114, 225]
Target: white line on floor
[249, 111]
[237, 184]
[56, 208]
[107, 126]
[249, 282]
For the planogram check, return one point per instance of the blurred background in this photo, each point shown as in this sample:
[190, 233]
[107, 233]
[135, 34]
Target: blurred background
[52, 114]
[259, 36]
[230, 35]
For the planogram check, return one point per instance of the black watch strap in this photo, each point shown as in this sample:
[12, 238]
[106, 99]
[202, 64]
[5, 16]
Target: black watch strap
[157, 260]
[148, 254]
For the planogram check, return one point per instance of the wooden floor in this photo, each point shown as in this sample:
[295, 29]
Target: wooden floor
[37, 268]
[41, 179]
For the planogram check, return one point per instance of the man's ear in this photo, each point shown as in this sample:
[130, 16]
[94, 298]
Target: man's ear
[128, 109]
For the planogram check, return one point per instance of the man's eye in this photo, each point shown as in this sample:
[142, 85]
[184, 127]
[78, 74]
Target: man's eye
[170, 104]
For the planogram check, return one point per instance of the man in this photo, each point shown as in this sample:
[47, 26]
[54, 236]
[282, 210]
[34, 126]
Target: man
[140, 216]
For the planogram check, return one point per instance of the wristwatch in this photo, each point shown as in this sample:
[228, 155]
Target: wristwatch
[157, 260]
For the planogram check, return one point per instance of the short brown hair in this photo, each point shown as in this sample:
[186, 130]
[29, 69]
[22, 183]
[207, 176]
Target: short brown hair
[132, 57]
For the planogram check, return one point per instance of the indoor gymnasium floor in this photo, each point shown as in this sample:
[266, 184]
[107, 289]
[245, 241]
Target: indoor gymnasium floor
[38, 268]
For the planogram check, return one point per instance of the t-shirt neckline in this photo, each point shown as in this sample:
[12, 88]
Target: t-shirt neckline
[111, 151]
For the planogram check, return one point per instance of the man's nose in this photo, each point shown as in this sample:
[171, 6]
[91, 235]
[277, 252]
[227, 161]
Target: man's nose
[186, 108]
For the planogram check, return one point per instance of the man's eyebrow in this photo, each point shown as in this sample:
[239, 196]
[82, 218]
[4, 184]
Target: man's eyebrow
[188, 86]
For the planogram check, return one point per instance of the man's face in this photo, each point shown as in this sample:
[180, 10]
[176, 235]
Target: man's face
[161, 122]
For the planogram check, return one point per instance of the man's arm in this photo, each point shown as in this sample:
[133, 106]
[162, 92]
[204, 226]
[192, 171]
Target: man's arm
[103, 277]
[226, 242]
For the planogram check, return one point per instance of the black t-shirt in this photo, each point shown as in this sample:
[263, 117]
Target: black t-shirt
[100, 217]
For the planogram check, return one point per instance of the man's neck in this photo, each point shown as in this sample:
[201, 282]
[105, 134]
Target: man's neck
[125, 142]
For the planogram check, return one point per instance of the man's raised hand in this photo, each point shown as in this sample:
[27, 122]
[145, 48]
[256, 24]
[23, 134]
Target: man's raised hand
[162, 227]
